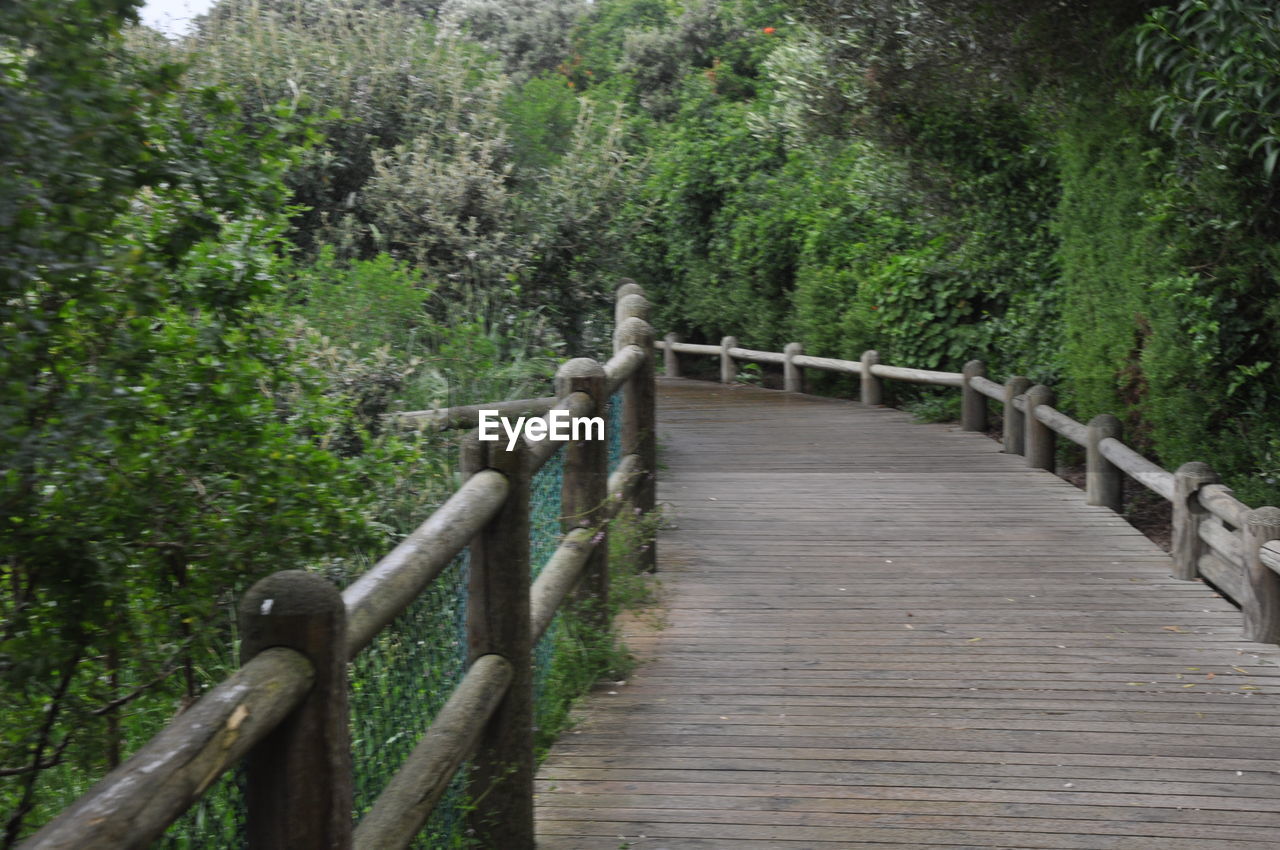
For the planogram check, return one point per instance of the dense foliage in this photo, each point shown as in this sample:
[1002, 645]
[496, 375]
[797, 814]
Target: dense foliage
[226, 257]
[1080, 192]
[224, 260]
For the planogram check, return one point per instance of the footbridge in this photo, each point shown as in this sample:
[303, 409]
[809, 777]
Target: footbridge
[872, 633]
[877, 633]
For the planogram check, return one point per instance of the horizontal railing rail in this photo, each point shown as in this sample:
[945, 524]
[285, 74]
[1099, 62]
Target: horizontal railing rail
[284, 712]
[1215, 536]
[617, 370]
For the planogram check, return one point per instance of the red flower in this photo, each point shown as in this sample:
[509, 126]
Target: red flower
[768, 30]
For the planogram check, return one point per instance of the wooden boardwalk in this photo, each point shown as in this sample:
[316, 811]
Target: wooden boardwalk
[880, 633]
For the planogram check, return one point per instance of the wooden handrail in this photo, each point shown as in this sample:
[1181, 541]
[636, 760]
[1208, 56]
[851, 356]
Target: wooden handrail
[618, 370]
[1224, 544]
[468, 415]
[577, 404]
[1150, 475]
[1217, 499]
[917, 376]
[688, 347]
[1269, 554]
[827, 364]
[411, 795]
[1063, 424]
[776, 358]
[391, 585]
[285, 709]
[622, 483]
[558, 577]
[622, 367]
[988, 388]
[133, 804]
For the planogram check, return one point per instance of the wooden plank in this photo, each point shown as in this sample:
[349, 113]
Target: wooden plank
[878, 633]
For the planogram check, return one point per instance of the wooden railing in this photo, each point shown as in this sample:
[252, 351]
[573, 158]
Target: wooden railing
[285, 710]
[1215, 535]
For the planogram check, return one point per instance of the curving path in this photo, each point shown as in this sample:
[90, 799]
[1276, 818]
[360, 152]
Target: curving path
[880, 633]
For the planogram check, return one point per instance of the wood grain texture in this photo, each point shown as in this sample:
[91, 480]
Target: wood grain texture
[884, 634]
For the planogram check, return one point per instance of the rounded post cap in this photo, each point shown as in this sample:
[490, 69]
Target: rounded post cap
[580, 367]
[974, 368]
[291, 593]
[634, 304]
[626, 287]
[1108, 424]
[577, 374]
[793, 348]
[871, 355]
[729, 342]
[635, 331]
[1040, 394]
[1197, 471]
[1018, 383]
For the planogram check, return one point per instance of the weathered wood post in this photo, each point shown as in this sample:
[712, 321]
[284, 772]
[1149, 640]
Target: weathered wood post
[1041, 441]
[299, 777]
[1261, 605]
[498, 622]
[1015, 421]
[632, 304]
[792, 375]
[626, 287]
[1188, 514]
[671, 358]
[871, 391]
[638, 431]
[585, 485]
[1104, 481]
[728, 368]
[973, 404]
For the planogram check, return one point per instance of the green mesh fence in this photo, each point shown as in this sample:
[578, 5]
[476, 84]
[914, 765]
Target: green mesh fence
[402, 679]
[398, 685]
[544, 537]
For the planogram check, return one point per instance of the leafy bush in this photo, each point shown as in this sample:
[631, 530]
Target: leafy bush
[1219, 61]
[161, 443]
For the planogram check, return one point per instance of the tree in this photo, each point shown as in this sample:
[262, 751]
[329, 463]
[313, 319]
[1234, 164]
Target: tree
[159, 442]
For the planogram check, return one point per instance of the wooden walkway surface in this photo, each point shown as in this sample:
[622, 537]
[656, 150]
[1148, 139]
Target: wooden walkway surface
[880, 633]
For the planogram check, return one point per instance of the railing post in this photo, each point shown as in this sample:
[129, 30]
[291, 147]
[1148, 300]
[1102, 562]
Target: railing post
[498, 622]
[728, 368]
[299, 777]
[626, 287]
[638, 431]
[1014, 419]
[871, 391]
[1041, 441]
[973, 404]
[585, 486]
[1104, 481]
[631, 303]
[1261, 603]
[792, 375]
[671, 358]
[1188, 513]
